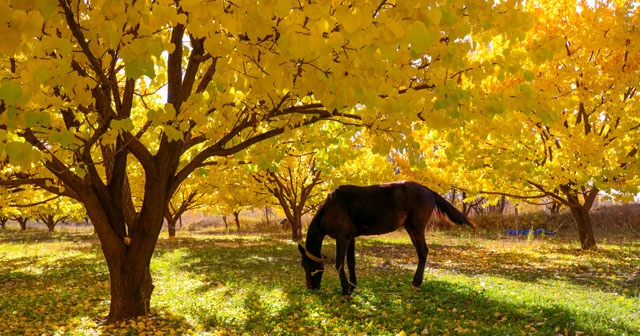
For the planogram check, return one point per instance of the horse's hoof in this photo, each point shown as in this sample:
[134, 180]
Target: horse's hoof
[415, 288]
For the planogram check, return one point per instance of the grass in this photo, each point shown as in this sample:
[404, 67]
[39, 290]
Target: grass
[218, 284]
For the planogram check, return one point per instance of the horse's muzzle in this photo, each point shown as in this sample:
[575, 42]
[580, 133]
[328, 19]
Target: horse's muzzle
[311, 286]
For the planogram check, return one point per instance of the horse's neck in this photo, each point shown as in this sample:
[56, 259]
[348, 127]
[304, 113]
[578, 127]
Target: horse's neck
[315, 236]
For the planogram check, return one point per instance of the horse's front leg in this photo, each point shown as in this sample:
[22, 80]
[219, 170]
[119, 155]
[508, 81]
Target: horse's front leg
[341, 251]
[351, 262]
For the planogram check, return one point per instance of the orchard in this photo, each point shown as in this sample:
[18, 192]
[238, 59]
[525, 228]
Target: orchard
[131, 112]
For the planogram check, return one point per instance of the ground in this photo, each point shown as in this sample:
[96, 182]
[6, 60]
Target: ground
[213, 282]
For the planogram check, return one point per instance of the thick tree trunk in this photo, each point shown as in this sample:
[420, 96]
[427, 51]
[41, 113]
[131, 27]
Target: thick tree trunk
[585, 230]
[128, 249]
[131, 287]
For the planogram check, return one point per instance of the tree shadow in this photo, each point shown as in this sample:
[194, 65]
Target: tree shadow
[43, 236]
[383, 303]
[603, 269]
[63, 289]
[255, 285]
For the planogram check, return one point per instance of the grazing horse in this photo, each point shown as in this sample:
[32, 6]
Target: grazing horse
[352, 211]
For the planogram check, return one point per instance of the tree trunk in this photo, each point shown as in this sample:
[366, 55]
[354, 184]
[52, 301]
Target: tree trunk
[50, 221]
[580, 212]
[226, 225]
[296, 231]
[131, 287]
[128, 249]
[171, 223]
[236, 216]
[296, 225]
[585, 230]
[266, 214]
[171, 227]
[22, 222]
[3, 222]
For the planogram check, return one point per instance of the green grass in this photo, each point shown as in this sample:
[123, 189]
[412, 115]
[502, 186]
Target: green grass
[232, 284]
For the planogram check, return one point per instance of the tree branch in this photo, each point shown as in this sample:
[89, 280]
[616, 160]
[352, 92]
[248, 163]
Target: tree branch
[76, 30]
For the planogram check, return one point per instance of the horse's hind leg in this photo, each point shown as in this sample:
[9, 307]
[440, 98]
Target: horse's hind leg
[419, 242]
[341, 250]
[351, 262]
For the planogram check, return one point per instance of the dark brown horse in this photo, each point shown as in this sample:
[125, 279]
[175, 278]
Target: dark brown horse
[352, 211]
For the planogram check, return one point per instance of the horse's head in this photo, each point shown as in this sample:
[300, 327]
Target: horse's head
[313, 268]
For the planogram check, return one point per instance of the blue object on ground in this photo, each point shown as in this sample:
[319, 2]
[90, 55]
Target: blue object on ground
[526, 232]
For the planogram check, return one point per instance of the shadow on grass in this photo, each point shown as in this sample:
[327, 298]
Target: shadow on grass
[383, 304]
[614, 270]
[256, 285]
[37, 236]
[51, 285]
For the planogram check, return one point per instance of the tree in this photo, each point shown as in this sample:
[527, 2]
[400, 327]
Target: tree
[304, 168]
[563, 112]
[56, 211]
[292, 185]
[584, 118]
[22, 220]
[180, 203]
[21, 203]
[80, 86]
[234, 190]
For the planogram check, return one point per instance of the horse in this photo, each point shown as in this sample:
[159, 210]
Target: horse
[351, 211]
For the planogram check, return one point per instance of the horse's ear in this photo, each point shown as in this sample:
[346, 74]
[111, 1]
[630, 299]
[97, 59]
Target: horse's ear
[302, 250]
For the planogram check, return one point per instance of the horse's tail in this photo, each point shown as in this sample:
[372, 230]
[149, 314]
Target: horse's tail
[444, 207]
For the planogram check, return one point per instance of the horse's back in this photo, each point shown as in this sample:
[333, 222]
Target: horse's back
[371, 210]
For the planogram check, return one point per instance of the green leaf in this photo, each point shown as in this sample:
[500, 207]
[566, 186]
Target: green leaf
[201, 172]
[12, 113]
[122, 125]
[19, 153]
[64, 138]
[172, 133]
[547, 117]
[528, 75]
[455, 113]
[495, 107]
[47, 7]
[440, 104]
[381, 147]
[419, 37]
[33, 118]
[138, 67]
[10, 92]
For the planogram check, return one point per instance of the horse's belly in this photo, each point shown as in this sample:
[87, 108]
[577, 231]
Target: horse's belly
[365, 230]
